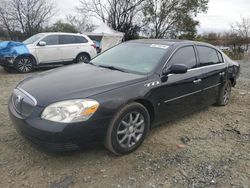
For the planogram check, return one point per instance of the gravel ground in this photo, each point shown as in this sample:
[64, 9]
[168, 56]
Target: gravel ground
[210, 148]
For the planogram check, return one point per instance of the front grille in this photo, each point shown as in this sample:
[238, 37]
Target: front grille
[23, 102]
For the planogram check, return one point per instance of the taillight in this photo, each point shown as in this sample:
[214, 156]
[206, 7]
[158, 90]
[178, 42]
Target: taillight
[93, 45]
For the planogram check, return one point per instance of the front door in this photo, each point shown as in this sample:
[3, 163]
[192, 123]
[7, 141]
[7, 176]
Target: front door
[51, 52]
[68, 47]
[180, 94]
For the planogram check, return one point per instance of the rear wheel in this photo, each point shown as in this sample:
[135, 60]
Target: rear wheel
[224, 94]
[24, 64]
[128, 129]
[82, 58]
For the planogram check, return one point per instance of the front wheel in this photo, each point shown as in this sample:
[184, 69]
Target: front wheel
[128, 129]
[224, 94]
[24, 64]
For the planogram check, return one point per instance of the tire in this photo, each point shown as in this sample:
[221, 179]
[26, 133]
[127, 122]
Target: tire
[24, 64]
[128, 129]
[82, 58]
[224, 94]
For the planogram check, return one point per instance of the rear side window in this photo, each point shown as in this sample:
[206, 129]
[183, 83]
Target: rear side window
[51, 40]
[207, 56]
[185, 55]
[80, 39]
[67, 39]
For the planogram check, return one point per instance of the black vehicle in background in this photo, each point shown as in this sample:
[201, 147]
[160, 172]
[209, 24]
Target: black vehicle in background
[121, 94]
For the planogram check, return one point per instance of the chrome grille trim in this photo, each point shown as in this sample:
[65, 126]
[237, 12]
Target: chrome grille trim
[29, 95]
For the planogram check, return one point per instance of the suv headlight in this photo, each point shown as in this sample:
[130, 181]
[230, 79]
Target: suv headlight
[70, 111]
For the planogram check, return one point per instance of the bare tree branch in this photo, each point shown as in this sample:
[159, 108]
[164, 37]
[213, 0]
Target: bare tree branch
[29, 16]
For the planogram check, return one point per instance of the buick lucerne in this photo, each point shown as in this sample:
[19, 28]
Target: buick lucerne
[121, 94]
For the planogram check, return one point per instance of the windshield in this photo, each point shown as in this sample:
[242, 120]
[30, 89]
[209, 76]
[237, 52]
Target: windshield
[33, 39]
[140, 58]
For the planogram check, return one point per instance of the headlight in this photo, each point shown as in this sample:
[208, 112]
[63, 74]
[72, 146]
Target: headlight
[70, 111]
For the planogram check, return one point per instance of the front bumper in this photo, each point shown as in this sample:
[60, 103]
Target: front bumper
[58, 137]
[6, 61]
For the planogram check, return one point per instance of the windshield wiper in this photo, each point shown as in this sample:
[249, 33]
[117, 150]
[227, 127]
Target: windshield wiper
[112, 68]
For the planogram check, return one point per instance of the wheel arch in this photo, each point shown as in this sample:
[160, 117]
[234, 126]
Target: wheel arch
[149, 106]
[233, 81]
[28, 55]
[144, 102]
[86, 53]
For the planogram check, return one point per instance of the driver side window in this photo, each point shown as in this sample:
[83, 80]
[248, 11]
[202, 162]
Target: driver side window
[185, 55]
[51, 40]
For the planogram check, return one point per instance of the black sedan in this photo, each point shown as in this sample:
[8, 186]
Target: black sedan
[121, 94]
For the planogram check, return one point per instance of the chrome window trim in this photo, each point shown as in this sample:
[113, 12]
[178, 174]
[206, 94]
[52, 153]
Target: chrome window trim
[198, 68]
[29, 95]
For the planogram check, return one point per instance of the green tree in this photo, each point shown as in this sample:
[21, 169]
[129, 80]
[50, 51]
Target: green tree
[60, 26]
[172, 18]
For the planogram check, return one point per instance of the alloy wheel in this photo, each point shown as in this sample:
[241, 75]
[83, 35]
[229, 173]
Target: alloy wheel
[82, 59]
[226, 95]
[24, 65]
[130, 129]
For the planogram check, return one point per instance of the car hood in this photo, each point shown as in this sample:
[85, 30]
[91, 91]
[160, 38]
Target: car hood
[75, 82]
[11, 48]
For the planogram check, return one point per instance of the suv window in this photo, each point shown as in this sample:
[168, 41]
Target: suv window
[207, 55]
[51, 40]
[80, 39]
[185, 55]
[67, 39]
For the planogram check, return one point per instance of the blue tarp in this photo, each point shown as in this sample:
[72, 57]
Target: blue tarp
[13, 49]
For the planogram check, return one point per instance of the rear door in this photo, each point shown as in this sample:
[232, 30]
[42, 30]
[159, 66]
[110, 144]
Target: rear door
[82, 45]
[212, 65]
[180, 94]
[51, 52]
[68, 47]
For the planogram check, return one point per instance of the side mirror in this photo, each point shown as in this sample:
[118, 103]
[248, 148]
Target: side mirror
[42, 43]
[176, 69]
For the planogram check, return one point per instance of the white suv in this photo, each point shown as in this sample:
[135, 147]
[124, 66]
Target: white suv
[47, 49]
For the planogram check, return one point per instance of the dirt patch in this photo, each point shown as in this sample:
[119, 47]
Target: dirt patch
[210, 148]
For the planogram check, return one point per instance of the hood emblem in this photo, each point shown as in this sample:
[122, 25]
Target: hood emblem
[18, 100]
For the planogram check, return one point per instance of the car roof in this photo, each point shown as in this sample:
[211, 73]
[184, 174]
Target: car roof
[169, 42]
[61, 33]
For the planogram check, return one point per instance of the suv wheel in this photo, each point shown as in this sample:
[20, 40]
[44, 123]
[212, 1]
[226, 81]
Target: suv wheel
[24, 64]
[128, 129]
[82, 58]
[224, 94]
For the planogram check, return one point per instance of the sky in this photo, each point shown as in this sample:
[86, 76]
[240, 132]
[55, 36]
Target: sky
[219, 17]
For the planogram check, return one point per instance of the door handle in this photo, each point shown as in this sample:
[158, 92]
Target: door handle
[222, 73]
[197, 81]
